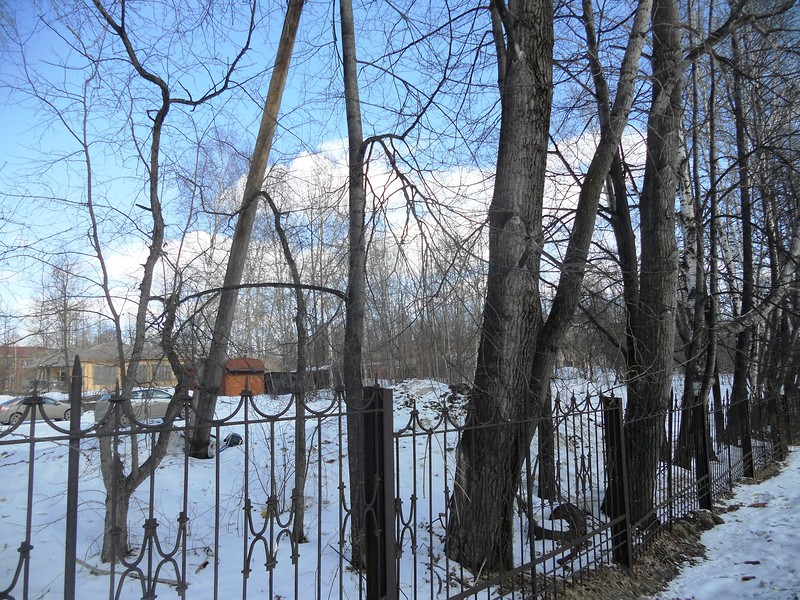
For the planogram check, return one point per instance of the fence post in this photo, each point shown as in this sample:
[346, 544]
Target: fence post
[787, 413]
[748, 461]
[671, 457]
[73, 465]
[616, 503]
[380, 550]
[701, 461]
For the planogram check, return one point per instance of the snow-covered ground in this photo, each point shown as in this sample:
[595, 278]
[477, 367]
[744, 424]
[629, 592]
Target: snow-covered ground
[766, 527]
[756, 552]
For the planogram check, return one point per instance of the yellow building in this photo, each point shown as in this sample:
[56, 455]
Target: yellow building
[101, 368]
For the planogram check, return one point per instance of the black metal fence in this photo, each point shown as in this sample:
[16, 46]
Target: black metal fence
[238, 525]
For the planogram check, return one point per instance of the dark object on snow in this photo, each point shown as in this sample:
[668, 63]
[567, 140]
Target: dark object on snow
[231, 440]
[576, 521]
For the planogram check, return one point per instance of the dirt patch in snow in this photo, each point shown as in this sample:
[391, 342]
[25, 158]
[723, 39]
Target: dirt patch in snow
[661, 562]
[655, 567]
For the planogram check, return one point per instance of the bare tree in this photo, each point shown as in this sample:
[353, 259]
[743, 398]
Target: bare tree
[101, 39]
[518, 345]
[356, 279]
[213, 364]
[59, 309]
[650, 287]
[301, 386]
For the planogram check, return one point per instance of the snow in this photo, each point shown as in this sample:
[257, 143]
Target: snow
[756, 552]
[760, 539]
[217, 491]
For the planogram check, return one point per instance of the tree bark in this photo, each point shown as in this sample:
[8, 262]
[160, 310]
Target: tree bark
[711, 374]
[218, 348]
[649, 378]
[518, 347]
[115, 538]
[489, 462]
[356, 283]
[692, 290]
[740, 401]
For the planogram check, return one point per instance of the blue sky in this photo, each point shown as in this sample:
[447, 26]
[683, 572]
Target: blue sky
[41, 204]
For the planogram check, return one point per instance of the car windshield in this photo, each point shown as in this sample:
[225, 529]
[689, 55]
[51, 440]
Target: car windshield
[11, 401]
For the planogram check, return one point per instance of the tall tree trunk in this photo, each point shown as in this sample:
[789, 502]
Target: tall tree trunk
[518, 348]
[711, 374]
[356, 283]
[217, 351]
[115, 540]
[112, 464]
[740, 402]
[489, 462]
[112, 469]
[548, 481]
[653, 323]
[695, 388]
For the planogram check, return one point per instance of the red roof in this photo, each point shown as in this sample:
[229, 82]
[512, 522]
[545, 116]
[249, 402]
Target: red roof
[244, 365]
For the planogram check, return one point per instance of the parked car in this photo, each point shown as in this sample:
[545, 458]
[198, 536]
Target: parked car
[146, 403]
[12, 411]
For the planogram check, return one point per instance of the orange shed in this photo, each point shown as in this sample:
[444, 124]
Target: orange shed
[241, 373]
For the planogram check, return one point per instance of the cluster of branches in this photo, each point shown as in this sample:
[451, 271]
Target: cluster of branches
[457, 225]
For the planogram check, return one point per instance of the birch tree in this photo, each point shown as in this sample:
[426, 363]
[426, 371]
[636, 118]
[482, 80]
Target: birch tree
[651, 294]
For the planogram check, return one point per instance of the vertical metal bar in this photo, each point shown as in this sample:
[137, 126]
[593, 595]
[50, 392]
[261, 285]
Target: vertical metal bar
[344, 513]
[73, 466]
[529, 471]
[389, 543]
[747, 439]
[372, 464]
[380, 546]
[701, 461]
[320, 491]
[35, 404]
[248, 507]
[618, 505]
[671, 446]
[191, 429]
[183, 519]
[727, 408]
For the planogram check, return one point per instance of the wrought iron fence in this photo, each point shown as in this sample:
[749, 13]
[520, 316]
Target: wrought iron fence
[266, 517]
[218, 528]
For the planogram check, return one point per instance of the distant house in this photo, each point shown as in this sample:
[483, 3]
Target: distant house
[101, 368]
[14, 362]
